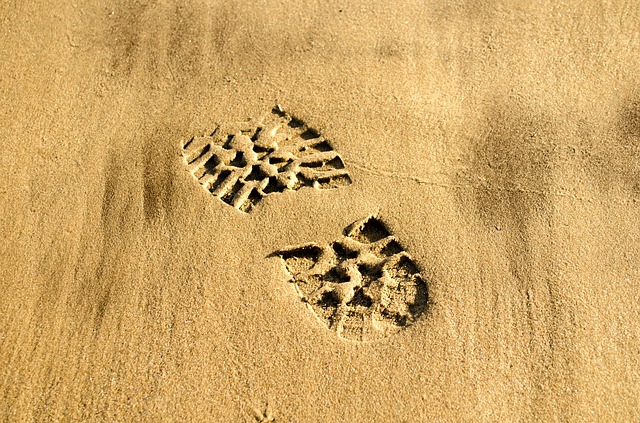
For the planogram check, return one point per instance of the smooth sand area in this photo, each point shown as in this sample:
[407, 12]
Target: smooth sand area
[495, 145]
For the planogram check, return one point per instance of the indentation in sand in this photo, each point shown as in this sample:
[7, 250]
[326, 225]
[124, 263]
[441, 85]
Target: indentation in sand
[244, 162]
[264, 414]
[364, 285]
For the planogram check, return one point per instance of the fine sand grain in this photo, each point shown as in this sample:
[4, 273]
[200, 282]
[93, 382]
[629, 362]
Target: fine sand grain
[335, 211]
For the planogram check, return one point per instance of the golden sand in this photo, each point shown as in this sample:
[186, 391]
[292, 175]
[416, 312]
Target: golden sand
[495, 144]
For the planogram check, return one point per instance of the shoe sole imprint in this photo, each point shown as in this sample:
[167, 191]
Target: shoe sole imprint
[244, 162]
[363, 286]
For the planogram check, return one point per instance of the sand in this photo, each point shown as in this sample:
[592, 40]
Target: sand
[497, 142]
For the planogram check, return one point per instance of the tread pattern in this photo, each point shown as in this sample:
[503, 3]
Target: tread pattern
[363, 286]
[244, 162]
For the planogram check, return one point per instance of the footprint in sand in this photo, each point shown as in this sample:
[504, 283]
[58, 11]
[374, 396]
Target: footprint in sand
[244, 162]
[364, 285]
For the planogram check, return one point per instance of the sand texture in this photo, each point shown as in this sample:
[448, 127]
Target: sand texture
[320, 211]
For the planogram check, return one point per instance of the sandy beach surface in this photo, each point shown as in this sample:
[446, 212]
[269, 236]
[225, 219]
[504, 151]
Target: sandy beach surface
[441, 222]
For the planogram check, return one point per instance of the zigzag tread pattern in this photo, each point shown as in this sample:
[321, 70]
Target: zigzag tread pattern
[244, 162]
[363, 286]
